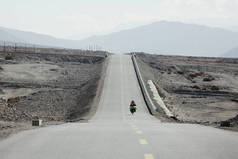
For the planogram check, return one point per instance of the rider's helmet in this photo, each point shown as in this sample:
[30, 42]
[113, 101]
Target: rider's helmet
[133, 103]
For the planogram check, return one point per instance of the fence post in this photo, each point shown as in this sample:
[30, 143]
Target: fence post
[4, 47]
[15, 47]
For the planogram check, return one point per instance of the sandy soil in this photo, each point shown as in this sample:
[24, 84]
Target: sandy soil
[196, 89]
[56, 87]
[30, 72]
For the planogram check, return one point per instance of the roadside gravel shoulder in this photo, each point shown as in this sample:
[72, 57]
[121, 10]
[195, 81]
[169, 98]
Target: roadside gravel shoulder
[195, 89]
[56, 87]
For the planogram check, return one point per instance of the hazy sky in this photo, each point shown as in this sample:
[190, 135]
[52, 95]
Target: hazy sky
[81, 18]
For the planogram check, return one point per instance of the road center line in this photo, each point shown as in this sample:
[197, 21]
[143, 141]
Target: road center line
[139, 132]
[143, 142]
[148, 156]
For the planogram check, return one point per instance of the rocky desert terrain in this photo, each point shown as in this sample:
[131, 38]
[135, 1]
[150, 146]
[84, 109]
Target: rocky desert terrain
[196, 89]
[54, 85]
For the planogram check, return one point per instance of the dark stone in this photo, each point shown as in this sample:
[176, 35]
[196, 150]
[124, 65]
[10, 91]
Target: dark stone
[208, 79]
[225, 124]
[196, 87]
[214, 88]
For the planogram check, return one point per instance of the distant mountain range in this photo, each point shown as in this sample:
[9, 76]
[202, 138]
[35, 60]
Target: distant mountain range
[170, 38]
[11, 35]
[160, 37]
[232, 53]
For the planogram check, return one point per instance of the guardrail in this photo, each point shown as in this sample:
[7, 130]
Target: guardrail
[152, 108]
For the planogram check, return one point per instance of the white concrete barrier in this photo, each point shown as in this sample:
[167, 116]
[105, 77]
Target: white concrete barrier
[158, 99]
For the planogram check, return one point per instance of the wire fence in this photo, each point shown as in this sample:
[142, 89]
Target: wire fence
[12, 47]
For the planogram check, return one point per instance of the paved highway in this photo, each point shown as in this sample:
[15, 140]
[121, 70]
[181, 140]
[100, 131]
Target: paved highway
[113, 133]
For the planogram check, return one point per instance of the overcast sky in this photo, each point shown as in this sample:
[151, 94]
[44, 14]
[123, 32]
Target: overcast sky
[82, 18]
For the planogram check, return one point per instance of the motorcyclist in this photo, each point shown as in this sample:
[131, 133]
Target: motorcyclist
[132, 107]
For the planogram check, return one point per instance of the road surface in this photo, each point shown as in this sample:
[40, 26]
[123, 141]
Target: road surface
[113, 133]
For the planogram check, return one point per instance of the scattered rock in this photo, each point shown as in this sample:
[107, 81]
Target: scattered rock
[234, 120]
[208, 79]
[54, 70]
[196, 74]
[8, 57]
[215, 88]
[180, 72]
[225, 124]
[13, 100]
[196, 87]
[235, 100]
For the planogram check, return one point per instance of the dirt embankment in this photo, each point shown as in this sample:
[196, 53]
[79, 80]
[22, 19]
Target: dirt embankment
[55, 87]
[196, 89]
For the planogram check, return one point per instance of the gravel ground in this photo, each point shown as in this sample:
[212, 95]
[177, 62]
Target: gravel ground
[56, 87]
[196, 89]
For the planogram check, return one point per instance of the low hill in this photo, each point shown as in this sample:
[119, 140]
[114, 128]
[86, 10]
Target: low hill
[12, 35]
[169, 38]
[232, 53]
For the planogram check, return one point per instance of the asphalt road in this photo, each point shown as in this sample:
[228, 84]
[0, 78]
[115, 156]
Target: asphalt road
[113, 133]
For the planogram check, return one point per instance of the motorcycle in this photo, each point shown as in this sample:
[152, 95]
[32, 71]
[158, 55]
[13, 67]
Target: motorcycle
[132, 109]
